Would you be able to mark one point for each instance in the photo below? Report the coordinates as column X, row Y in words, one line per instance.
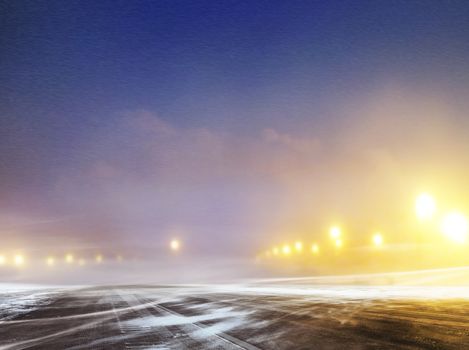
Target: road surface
column 234, row 317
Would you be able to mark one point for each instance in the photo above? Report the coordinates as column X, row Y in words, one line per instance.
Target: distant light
column 298, row 246
column 50, row 261
column 99, row 258
column 69, row 258
column 455, row 226
column 275, row 250
column 81, row 262
column 315, row 248
column 174, row 245
column 338, row 243
column 18, row 259
column 286, row 250
column 3, row 260
column 335, row 232
column 378, row 239
column 425, row 206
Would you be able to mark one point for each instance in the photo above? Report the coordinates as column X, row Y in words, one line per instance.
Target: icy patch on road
column 218, row 328
column 226, row 318
column 14, row 304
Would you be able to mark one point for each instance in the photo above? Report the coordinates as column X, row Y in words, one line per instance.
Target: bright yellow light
column 50, row 261
column 69, row 258
column 99, row 258
column 338, row 243
column 298, row 246
column 18, row 259
column 275, row 250
column 378, row 239
column 3, row 260
column 315, row 248
column 455, row 226
column 335, row 232
column 286, row 250
column 174, row 245
column 425, row 206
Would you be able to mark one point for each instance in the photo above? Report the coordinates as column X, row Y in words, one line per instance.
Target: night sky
column 228, row 124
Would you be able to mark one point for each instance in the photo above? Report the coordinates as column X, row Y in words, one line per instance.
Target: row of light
column 454, row 225
column 336, row 236
column 20, row 260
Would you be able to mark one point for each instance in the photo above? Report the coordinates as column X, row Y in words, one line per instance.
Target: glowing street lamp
column 378, row 239
column 298, row 246
column 286, row 250
column 335, row 232
column 69, row 258
column 455, row 226
column 425, row 206
column 315, row 248
column 3, row 260
column 18, row 260
column 99, row 258
column 50, row 261
column 175, row 245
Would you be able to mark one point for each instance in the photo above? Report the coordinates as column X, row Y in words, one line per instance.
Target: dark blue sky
column 83, row 84
column 84, row 61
